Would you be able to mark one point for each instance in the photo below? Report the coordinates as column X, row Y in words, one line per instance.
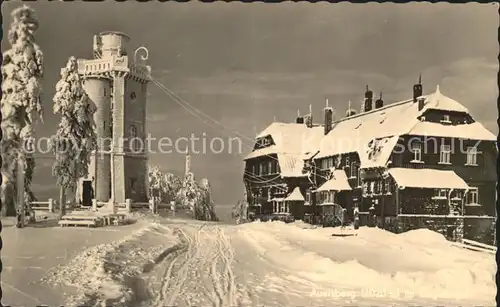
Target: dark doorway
column 87, row 193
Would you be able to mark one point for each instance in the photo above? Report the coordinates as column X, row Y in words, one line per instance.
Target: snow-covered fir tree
column 75, row 138
column 21, row 105
column 205, row 207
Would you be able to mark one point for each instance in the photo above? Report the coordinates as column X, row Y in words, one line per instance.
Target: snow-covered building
column 421, row 162
column 274, row 176
column 117, row 85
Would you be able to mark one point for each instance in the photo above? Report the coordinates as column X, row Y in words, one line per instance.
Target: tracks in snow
column 199, row 272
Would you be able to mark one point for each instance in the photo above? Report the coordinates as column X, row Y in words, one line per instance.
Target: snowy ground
column 187, row 263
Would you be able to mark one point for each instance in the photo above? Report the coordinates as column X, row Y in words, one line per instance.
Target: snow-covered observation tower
column 118, row 86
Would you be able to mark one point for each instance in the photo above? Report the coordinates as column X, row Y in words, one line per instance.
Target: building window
column 261, row 169
column 104, row 92
column 327, row 197
column 441, row 193
column 416, row 148
column 324, row 164
column 359, row 177
column 354, row 170
column 133, row 96
column 446, row 119
column 445, row 154
column 473, row 196
column 387, row 186
column 471, row 156
column 308, row 197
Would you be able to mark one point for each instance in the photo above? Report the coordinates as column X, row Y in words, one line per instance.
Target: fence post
column 128, row 205
column 172, row 207
column 94, row 205
column 51, row 205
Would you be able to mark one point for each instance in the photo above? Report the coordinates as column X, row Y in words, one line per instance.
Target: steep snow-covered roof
column 438, row 101
column 296, row 195
column 291, row 164
column 338, row 182
column 473, row 131
column 427, row 178
column 357, row 133
column 293, row 142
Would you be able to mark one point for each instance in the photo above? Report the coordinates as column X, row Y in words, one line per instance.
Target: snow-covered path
column 198, row 273
column 166, row 262
column 274, row 264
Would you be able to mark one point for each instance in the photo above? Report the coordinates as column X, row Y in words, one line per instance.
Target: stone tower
column 117, row 84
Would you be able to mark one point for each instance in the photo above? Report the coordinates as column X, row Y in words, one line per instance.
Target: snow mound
column 422, row 264
column 106, row 274
column 423, row 235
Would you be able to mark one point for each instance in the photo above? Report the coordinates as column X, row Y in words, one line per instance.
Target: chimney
column 328, row 118
column 421, row 103
column 350, row 111
column 308, row 119
column 417, row 89
column 300, row 119
column 367, row 105
column 379, row 102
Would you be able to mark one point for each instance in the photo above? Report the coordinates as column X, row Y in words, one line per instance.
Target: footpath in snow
column 189, row 263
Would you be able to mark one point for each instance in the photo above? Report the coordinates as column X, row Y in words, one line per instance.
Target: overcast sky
column 243, row 64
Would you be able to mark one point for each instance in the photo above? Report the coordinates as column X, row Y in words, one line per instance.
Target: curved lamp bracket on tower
column 144, row 57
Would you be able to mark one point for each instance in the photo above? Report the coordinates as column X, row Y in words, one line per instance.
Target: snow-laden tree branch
column 21, row 105
column 163, row 186
column 75, row 138
column 205, row 206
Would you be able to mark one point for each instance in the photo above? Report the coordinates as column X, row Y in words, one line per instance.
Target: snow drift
column 107, row 274
column 412, row 266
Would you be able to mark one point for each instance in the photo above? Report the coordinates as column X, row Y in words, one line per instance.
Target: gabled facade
column 275, row 178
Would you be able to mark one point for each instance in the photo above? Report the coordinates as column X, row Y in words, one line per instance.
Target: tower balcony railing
column 99, row 66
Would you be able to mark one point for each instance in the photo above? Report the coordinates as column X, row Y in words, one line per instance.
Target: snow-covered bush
column 205, row 207
column 163, row 186
column 240, row 212
column 75, row 138
column 188, row 193
column 21, row 105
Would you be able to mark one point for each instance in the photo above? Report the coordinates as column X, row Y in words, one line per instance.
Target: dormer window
column 446, row 119
column 471, row 156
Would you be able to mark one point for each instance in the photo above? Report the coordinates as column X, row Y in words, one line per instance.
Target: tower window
column 133, row 131
column 104, row 92
column 133, row 96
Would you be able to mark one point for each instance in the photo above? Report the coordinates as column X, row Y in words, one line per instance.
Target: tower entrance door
column 87, row 193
